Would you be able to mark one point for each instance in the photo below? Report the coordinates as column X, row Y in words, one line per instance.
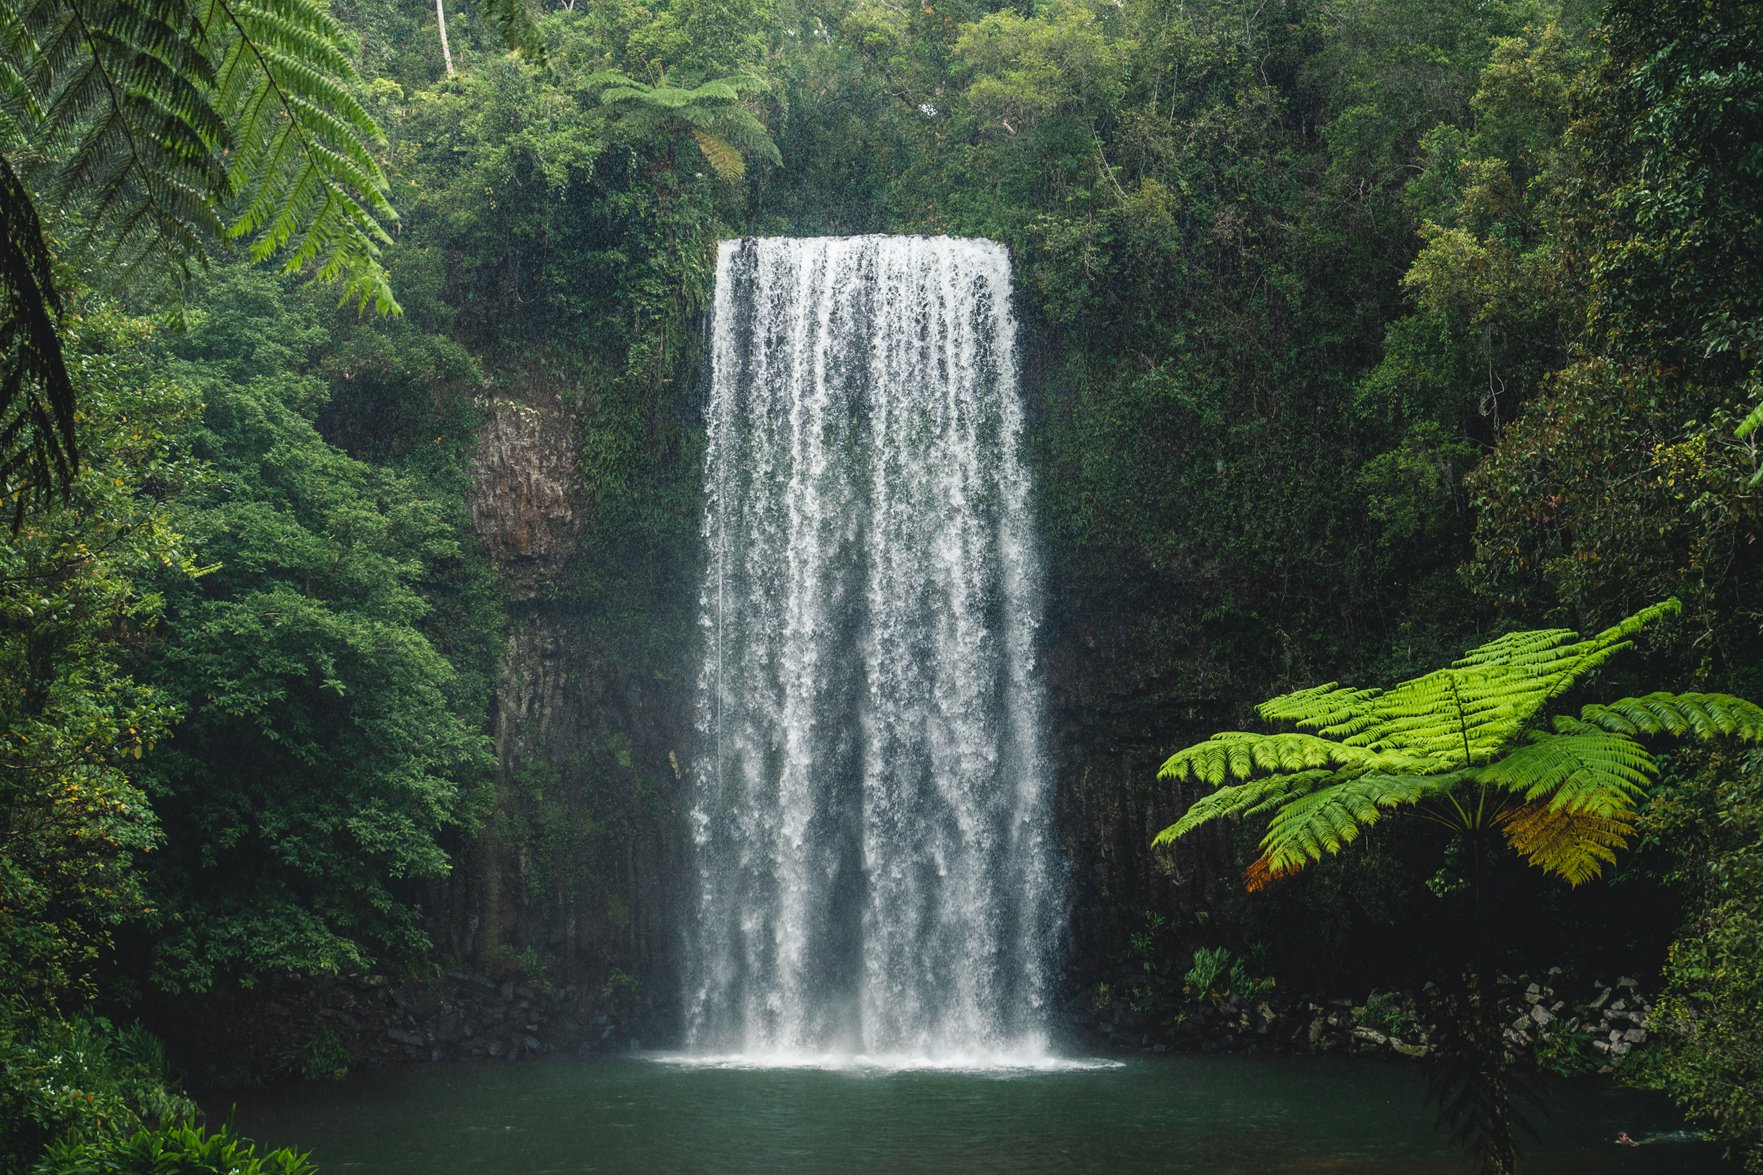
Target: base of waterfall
column 1198, row 1114
column 1023, row 1062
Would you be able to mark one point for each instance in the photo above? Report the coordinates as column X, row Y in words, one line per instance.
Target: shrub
column 76, row 1079
column 183, row 1148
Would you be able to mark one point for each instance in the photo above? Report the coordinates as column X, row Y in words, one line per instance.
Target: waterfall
column 873, row 855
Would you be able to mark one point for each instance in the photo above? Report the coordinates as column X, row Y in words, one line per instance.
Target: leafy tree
column 321, row 754
column 78, row 596
column 1706, row 1053
column 1634, row 318
column 1680, row 281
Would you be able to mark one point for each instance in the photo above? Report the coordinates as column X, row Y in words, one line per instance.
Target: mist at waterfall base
column 874, row 863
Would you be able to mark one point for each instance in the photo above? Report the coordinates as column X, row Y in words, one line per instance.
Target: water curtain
column 873, row 856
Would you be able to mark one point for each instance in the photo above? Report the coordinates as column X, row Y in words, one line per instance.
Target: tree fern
column 1474, row 748
column 712, row 114
column 1466, row 747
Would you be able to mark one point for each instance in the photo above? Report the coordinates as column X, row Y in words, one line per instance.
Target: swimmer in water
column 1622, row 1139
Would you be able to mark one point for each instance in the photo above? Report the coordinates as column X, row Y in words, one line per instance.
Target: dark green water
column 1218, row 1115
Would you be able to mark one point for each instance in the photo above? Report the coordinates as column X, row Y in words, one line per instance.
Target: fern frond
column 1557, row 656
column 1574, row 845
column 723, row 159
column 1591, row 771
column 725, row 132
column 133, row 146
column 20, row 61
column 1328, row 819
column 1242, row 755
column 305, row 180
column 1468, row 738
column 1705, row 716
column 1253, row 798
column 37, row 444
column 1332, row 710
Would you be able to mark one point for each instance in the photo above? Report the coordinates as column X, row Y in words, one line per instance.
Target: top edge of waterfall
column 731, row 243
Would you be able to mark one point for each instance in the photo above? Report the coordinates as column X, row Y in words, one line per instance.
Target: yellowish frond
column 1575, row 845
column 723, row 159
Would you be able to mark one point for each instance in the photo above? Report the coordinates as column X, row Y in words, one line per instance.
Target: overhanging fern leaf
column 37, row 447
column 305, row 180
column 157, row 129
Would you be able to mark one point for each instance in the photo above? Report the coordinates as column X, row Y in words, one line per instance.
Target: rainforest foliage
column 1358, row 334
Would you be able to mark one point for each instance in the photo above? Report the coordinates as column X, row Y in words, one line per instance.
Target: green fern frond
column 1592, row 771
column 306, row 181
column 1705, row 716
column 133, row 147
column 1328, row 819
column 723, row 159
column 725, row 132
column 1254, row 798
column 20, row 58
column 1332, row 710
column 1467, row 745
column 1242, row 755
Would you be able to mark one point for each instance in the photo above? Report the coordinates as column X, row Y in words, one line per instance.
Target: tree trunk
column 446, row 50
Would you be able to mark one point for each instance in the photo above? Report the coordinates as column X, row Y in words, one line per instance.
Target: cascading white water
column 874, row 865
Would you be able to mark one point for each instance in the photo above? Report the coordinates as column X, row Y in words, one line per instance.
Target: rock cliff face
column 572, row 868
column 523, row 503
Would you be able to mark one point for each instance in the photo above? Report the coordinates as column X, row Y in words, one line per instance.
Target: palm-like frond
column 1463, row 714
column 36, row 397
column 1589, row 771
column 304, row 177
column 723, row 159
column 133, row 147
column 1254, row 798
column 1465, row 746
column 157, row 128
column 1329, row 819
column 1244, row 755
